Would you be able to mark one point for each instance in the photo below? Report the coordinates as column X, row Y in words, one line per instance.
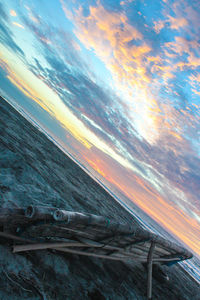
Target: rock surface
column 34, row 171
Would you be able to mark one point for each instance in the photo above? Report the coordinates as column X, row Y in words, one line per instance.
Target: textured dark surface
column 34, row 171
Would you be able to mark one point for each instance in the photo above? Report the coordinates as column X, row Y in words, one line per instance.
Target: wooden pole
column 149, row 269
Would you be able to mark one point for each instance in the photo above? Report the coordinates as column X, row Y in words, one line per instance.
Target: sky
column 116, row 84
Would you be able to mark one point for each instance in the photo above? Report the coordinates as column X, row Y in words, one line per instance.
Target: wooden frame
column 88, row 235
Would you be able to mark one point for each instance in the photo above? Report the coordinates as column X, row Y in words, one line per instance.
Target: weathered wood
column 89, row 235
column 52, row 223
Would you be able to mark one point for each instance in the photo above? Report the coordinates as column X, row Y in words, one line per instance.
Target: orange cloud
column 174, row 23
column 158, row 26
column 128, row 57
column 176, row 135
column 45, row 40
column 195, row 83
column 13, row 13
column 177, row 23
column 181, row 46
column 33, row 17
column 112, row 38
column 96, row 165
column 18, row 25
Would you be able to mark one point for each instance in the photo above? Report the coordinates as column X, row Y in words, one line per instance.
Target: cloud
column 123, row 50
column 6, row 35
column 13, row 13
column 173, row 23
column 3, row 14
column 68, row 73
column 171, row 123
column 22, row 84
column 83, row 94
column 48, row 99
column 143, row 68
column 18, row 25
column 33, row 16
column 159, row 25
column 40, row 32
column 177, row 23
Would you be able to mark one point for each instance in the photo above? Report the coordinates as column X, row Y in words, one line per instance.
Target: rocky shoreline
column 35, row 172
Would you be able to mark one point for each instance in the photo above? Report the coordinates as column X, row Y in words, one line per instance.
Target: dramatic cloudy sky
column 117, row 84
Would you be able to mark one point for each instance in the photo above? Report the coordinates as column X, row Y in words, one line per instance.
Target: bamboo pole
column 39, row 212
column 97, row 255
column 92, row 226
column 166, row 259
column 116, row 257
column 119, row 228
column 63, row 245
column 79, row 218
column 149, row 267
column 42, row 246
column 39, row 246
column 57, row 231
column 92, row 220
